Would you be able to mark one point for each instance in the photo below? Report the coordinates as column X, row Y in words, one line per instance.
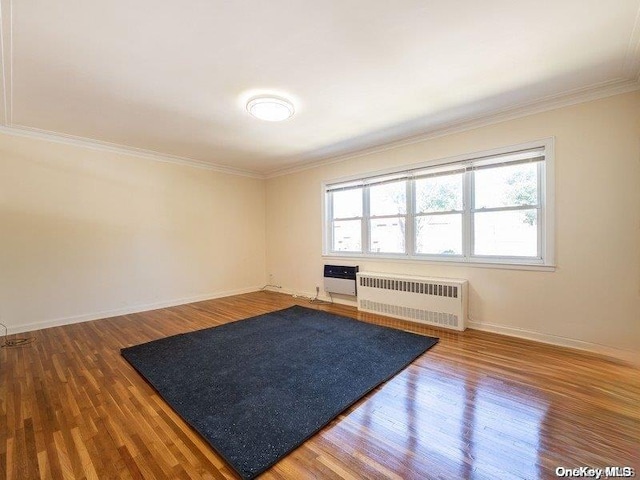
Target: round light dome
column 271, row 109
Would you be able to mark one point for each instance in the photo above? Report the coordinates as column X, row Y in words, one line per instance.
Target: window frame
column 545, row 260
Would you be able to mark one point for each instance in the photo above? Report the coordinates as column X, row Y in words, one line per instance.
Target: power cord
column 317, row 300
column 269, row 285
column 16, row 342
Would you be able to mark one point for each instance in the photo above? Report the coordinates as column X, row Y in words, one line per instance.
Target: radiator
column 441, row 302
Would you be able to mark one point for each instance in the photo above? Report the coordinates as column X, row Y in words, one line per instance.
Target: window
column 347, row 220
column 439, row 211
column 492, row 208
column 388, row 216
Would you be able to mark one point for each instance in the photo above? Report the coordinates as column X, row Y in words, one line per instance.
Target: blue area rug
column 256, row 389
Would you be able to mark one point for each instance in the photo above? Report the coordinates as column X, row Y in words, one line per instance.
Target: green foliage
column 439, row 196
column 523, row 191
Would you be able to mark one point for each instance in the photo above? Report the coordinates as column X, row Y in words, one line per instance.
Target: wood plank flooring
column 477, row 405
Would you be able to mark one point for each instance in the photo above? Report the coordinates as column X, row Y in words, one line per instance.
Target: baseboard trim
column 58, row 322
column 620, row 354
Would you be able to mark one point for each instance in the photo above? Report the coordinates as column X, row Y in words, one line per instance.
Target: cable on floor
column 16, row 342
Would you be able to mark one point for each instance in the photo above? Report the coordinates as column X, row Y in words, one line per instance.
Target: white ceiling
column 173, row 77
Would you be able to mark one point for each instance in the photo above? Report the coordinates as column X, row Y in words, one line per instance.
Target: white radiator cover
column 441, row 302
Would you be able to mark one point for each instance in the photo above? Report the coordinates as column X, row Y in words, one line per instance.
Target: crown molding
column 552, row 102
column 63, row 138
column 6, row 57
column 572, row 97
column 631, row 66
column 3, row 79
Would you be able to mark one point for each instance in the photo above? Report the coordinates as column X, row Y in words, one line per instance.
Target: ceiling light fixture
column 270, row 108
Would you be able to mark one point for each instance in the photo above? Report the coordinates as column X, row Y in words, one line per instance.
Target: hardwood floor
column 477, row 405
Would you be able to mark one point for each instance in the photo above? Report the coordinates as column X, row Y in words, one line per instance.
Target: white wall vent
column 441, row 302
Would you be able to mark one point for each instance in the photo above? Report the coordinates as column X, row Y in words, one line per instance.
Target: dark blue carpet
column 256, row 389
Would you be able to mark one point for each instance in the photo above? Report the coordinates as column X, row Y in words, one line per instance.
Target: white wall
column 86, row 234
column 591, row 301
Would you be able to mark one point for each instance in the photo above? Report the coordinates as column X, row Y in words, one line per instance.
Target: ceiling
column 171, row 79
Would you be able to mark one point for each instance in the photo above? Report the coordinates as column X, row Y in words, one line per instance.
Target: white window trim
column 546, row 191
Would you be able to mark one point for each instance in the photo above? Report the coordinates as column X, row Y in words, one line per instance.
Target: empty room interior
column 290, row 240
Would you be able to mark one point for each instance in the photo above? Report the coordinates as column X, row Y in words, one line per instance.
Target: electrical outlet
column 317, row 290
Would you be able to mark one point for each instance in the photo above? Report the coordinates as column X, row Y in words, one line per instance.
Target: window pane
column 439, row 234
column 506, row 186
column 388, row 198
column 347, row 203
column 347, row 236
column 508, row 234
column 439, row 194
column 387, row 235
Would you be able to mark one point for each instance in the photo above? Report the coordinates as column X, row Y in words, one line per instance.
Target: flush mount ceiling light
column 270, row 108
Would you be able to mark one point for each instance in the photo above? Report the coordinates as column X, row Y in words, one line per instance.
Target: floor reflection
column 437, row 424
column 505, row 438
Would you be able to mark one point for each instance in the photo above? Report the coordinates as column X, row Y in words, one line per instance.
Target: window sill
column 452, row 263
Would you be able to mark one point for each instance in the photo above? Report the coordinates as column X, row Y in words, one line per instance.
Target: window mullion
column 366, row 221
column 541, row 210
column 445, row 212
column 505, row 209
column 467, row 219
column 409, row 223
column 329, row 225
column 382, row 217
